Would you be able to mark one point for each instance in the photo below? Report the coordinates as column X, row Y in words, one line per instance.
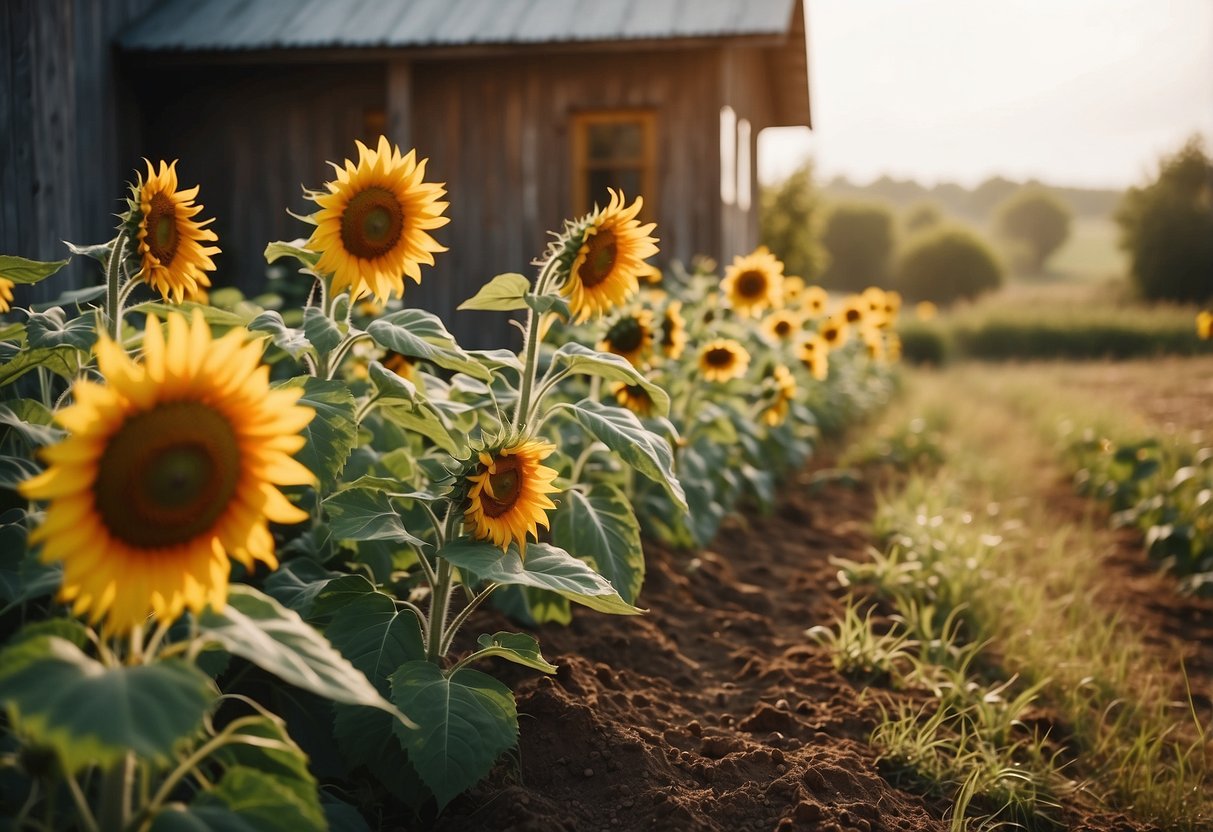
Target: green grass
column 980, row 565
column 1092, row 253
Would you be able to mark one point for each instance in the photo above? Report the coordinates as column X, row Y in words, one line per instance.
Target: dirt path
column 713, row 712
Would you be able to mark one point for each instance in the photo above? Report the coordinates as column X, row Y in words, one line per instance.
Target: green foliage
column 946, row 265
column 788, row 224
column 921, row 216
column 1037, row 222
column 859, row 238
column 1167, row 228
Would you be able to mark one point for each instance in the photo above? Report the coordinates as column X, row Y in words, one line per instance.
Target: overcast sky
column 1074, row 92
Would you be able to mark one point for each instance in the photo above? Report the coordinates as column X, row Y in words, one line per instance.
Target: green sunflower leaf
column 267, row 801
column 363, row 514
column 391, row 385
column 16, row 361
column 467, row 720
column 53, row 328
column 504, row 293
column 331, row 436
column 376, row 636
column 321, row 330
column 98, row 251
column 277, row 250
column 577, row 358
column 178, row 818
column 93, row 714
column 257, row 628
column 21, row 270
column 422, row 335
column 267, row 747
column 213, row 315
column 519, row 648
column 620, row 430
column 601, row 527
column 546, row 567
column 288, row 339
column 549, row 303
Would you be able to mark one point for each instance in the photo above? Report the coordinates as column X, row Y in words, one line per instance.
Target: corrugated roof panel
column 208, row 25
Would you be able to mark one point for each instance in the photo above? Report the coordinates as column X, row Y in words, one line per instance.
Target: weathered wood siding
column 250, row 137
column 62, row 111
column 746, row 87
column 496, row 131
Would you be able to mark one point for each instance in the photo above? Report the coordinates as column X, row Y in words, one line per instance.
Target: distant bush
column 1167, row 228
column 788, row 224
column 924, row 343
column 947, row 264
column 859, row 239
column 1036, row 221
column 921, row 216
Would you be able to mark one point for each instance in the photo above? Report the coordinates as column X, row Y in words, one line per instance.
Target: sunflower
column 781, row 325
column 924, row 310
column 1204, row 323
column 673, row 331
column 754, row 282
column 508, row 494
column 723, row 359
column 833, row 331
column 169, row 468
column 892, row 304
column 876, row 312
column 854, row 311
column 793, row 288
column 893, row 346
column 6, row 294
column 371, row 226
column 873, row 342
column 785, row 390
column 404, row 366
column 170, row 248
column 631, row 336
column 813, row 300
column 610, row 259
column 814, row 354
column 634, row 397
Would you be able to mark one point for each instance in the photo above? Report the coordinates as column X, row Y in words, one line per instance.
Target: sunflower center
column 161, row 221
column 853, row 315
column 503, row 488
column 751, row 284
column 167, row 475
column 719, row 357
column 830, row 333
column 782, row 328
column 599, row 261
column 626, row 336
column 371, row 223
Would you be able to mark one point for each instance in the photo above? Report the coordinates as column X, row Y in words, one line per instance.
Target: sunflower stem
column 113, row 286
column 116, row 794
column 530, row 364
column 438, row 604
column 463, row 615
column 87, row 819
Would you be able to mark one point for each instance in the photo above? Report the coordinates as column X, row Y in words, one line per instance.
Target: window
column 613, row 149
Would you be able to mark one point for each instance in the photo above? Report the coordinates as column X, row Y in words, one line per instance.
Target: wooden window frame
column 581, row 164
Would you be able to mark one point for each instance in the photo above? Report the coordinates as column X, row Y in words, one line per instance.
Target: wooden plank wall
column 746, row 86
column 496, row 131
column 250, row 136
column 61, row 123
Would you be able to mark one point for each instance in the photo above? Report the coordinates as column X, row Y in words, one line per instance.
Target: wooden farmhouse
column 527, row 109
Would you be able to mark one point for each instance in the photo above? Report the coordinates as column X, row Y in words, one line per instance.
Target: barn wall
column 497, row 132
column 746, row 87
column 250, row 136
column 62, row 111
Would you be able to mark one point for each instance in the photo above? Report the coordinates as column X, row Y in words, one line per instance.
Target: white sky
column 1073, row 92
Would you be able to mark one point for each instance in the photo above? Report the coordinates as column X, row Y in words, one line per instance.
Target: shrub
column 920, row 216
column 1167, row 228
column 948, row 264
column 859, row 239
column 1037, row 222
column 790, row 215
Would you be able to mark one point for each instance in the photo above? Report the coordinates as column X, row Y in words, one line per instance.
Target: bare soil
column 714, row 712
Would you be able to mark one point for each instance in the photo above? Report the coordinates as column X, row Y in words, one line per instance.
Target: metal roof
column 230, row 25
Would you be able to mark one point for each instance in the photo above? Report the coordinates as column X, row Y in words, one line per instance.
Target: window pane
column 597, row 182
column 622, row 140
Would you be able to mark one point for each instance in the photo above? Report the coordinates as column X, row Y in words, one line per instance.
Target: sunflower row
column 329, row 497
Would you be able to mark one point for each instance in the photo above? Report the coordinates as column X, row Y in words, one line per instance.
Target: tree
column 920, row 216
column 859, row 239
column 788, row 224
column 1167, row 228
column 1037, row 222
column 947, row 264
